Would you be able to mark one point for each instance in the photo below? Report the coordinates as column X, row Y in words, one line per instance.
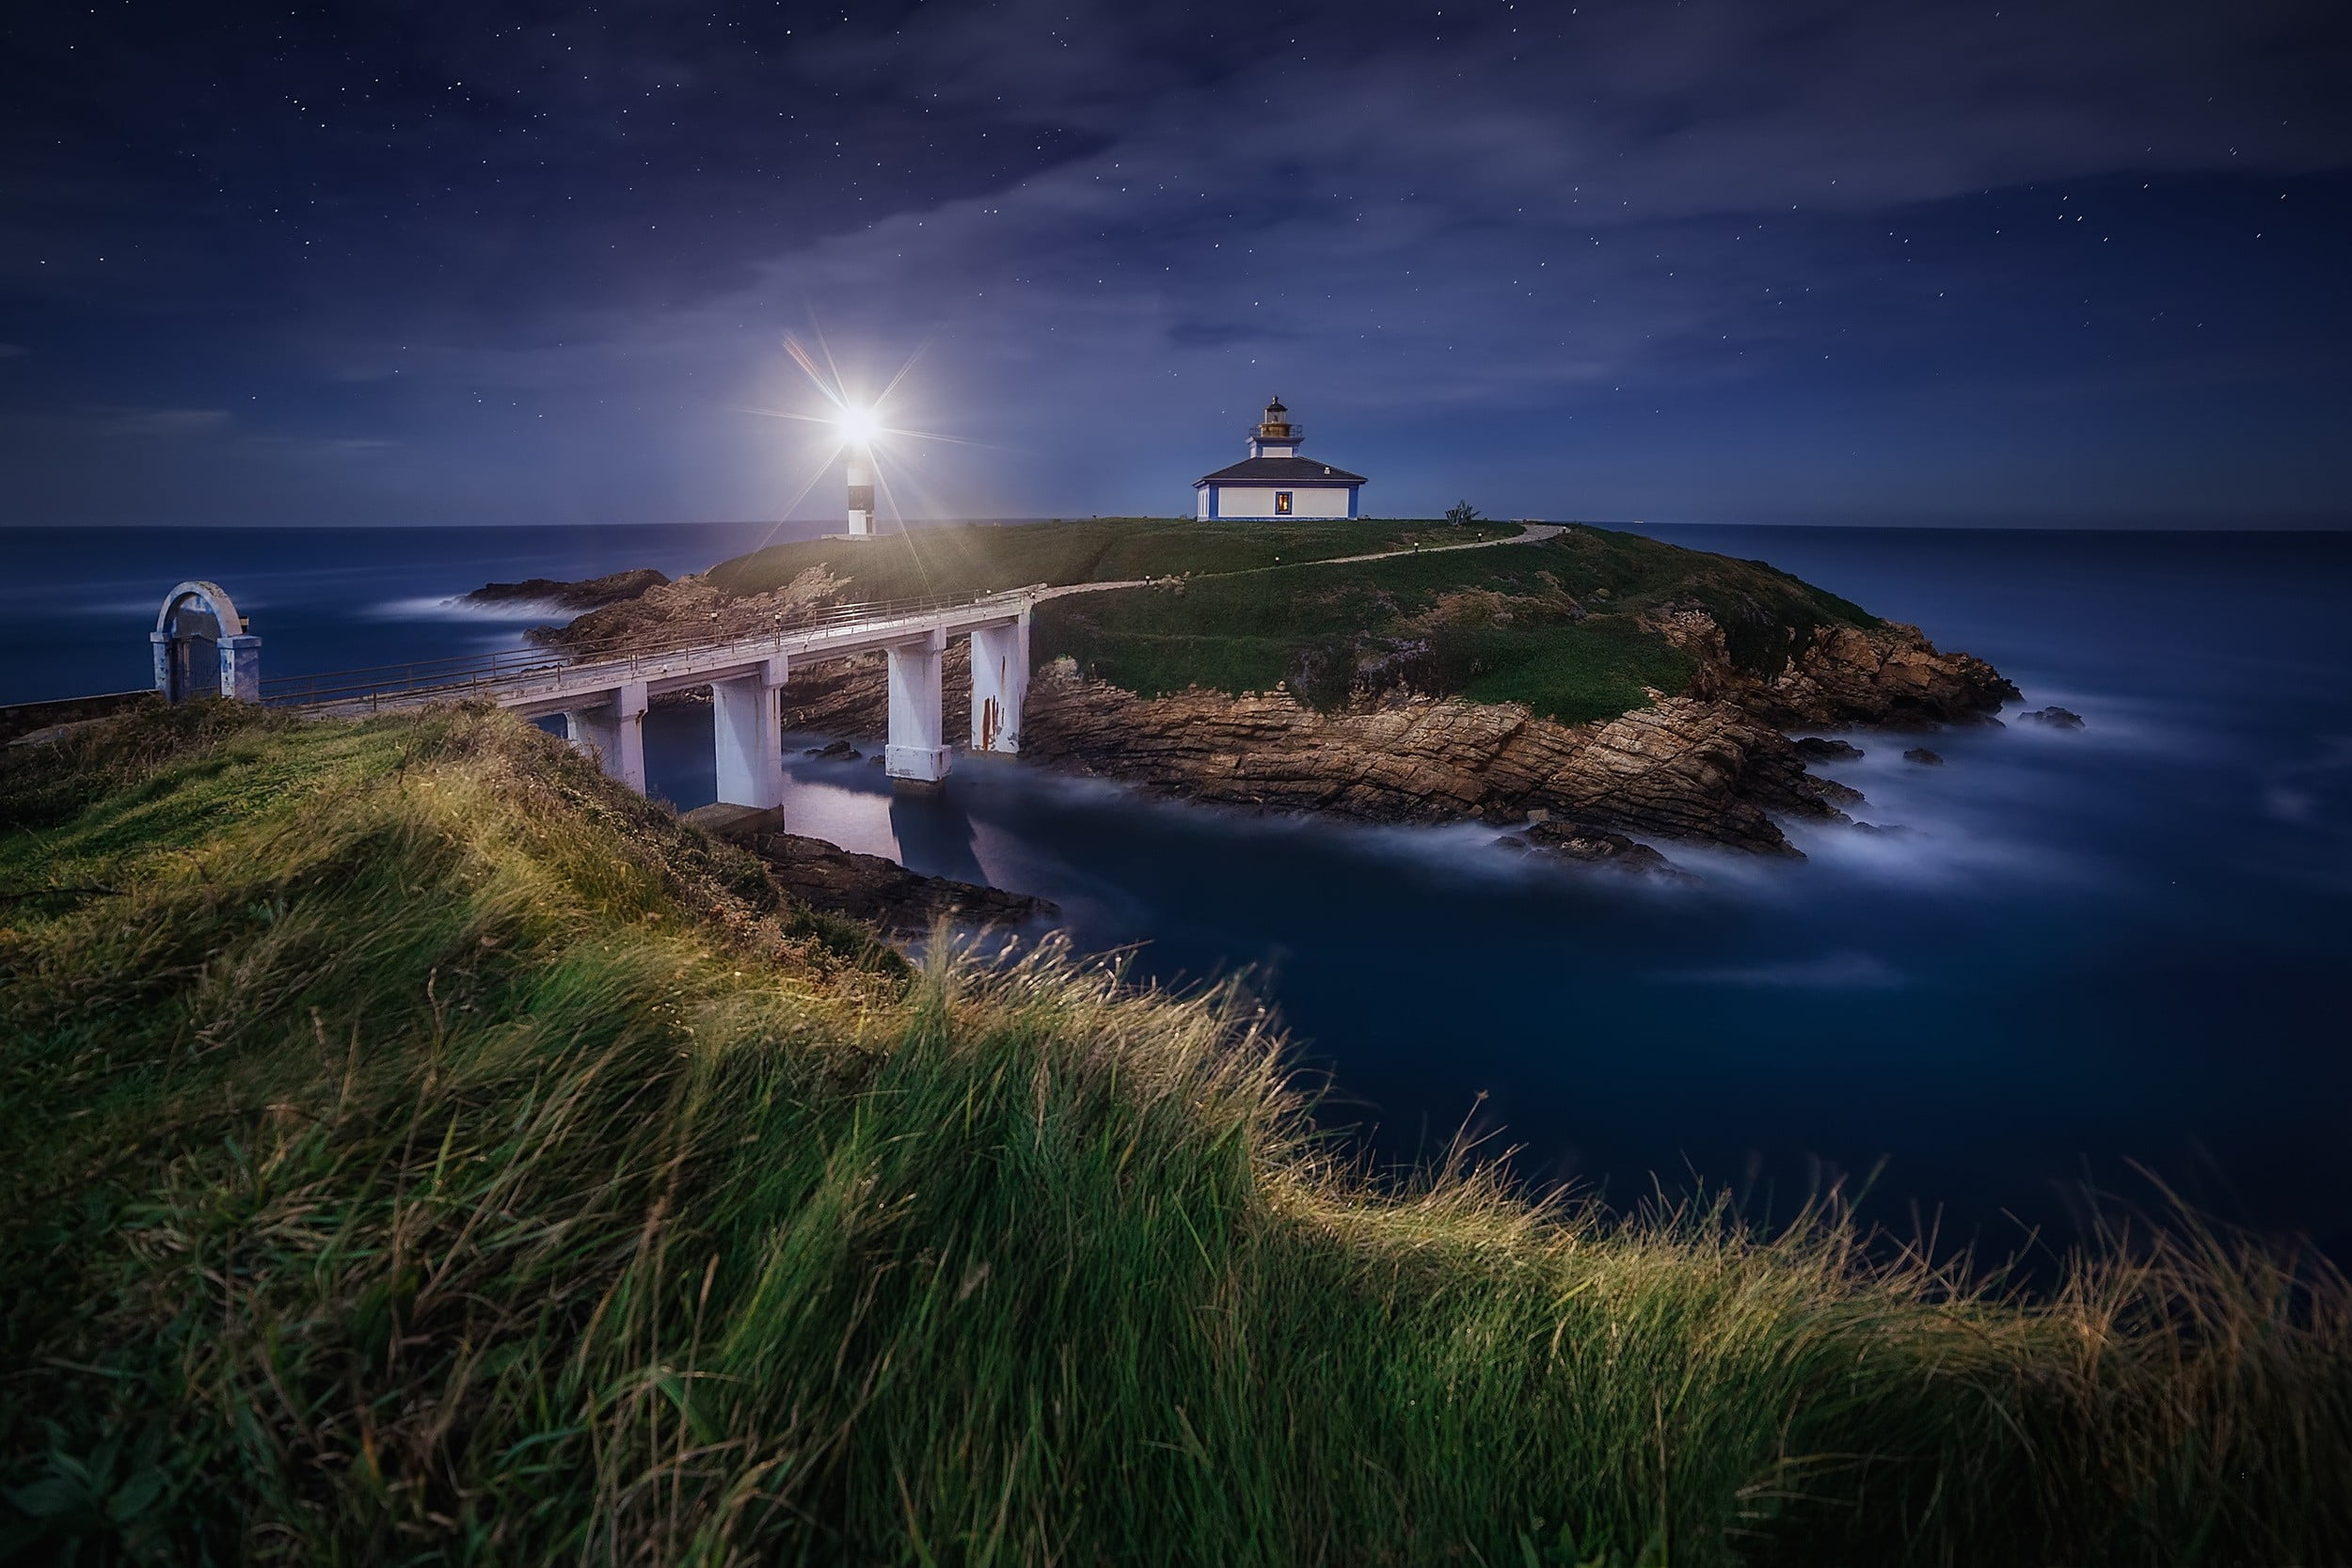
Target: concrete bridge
column 603, row 696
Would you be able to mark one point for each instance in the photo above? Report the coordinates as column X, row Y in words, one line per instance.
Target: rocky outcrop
column 1681, row 768
column 869, row 887
column 1712, row 766
column 1588, row 846
column 1887, row 674
column 583, row 593
column 2054, row 718
column 689, row 608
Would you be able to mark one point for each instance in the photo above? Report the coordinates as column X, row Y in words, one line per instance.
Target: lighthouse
column 1274, row 480
column 860, row 490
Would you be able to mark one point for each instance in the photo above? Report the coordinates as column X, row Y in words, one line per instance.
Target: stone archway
column 202, row 646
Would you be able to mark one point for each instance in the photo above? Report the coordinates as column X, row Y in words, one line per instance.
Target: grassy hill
column 1555, row 624
column 415, row 1148
column 980, row 558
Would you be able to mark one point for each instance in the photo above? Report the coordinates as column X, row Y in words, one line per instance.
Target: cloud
column 162, row 421
column 1411, row 227
column 1835, row 972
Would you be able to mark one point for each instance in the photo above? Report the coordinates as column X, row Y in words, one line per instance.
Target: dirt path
column 1534, row 533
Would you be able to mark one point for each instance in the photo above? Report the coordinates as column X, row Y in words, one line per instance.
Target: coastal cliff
column 410, row 1135
column 1588, row 677
column 1715, row 769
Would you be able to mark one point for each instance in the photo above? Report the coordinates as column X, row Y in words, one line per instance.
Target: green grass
column 976, row 559
column 1554, row 625
column 415, row 1149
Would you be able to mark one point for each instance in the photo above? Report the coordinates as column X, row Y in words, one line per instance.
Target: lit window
column 1281, row 503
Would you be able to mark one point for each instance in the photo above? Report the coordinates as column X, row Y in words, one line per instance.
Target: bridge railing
column 508, row 669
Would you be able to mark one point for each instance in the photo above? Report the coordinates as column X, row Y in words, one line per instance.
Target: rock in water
column 1814, row 748
column 1924, row 757
column 869, row 887
column 1590, row 845
column 585, row 594
column 2055, row 718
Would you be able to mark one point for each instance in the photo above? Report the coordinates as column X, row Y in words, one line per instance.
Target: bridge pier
column 1000, row 684
column 747, row 732
column 199, row 636
column 917, row 752
column 613, row 732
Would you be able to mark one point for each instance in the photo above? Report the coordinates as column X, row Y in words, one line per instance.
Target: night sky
column 2005, row 262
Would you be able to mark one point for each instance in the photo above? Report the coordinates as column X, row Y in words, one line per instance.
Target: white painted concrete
column 747, row 735
column 603, row 703
column 1256, row 503
column 917, row 752
column 613, row 732
column 861, row 492
column 1000, row 685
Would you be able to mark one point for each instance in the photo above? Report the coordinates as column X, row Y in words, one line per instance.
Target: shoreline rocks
column 1708, row 770
column 583, row 594
column 870, row 887
column 1714, row 766
column 1596, row 846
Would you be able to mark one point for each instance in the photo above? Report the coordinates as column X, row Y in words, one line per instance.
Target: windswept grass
column 1557, row 626
column 415, row 1149
column 978, row 559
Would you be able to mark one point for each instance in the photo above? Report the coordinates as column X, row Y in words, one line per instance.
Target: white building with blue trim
column 1274, row 481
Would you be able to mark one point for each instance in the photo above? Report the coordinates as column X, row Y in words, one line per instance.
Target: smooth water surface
column 2086, row 950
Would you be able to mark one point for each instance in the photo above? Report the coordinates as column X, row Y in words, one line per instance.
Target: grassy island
column 414, row 1149
column 1557, row 625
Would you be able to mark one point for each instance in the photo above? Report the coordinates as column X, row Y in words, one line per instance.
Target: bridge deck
column 534, row 681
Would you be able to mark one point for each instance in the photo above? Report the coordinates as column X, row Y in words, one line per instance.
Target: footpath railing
column 511, row 671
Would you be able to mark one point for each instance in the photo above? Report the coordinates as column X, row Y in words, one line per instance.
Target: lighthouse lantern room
column 1274, row 480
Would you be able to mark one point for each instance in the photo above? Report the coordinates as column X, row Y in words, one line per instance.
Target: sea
column 2096, row 971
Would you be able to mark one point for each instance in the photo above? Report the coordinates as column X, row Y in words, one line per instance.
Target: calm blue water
column 2091, row 949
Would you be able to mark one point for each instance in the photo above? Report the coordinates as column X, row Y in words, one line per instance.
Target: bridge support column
column 917, row 752
column 1000, row 684
column 613, row 732
column 747, row 730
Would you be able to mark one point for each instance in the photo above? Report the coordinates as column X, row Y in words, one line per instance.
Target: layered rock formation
column 690, row 607
column 1713, row 767
column 1585, row 845
column 1887, row 674
column 870, row 887
column 582, row 594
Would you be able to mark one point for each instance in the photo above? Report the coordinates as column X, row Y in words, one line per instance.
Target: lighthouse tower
column 1274, row 480
column 1276, row 436
column 860, row 490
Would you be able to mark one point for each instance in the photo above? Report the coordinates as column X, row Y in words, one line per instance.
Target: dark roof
column 1288, row 471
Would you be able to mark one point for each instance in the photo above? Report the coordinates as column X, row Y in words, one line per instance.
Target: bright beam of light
column 856, row 420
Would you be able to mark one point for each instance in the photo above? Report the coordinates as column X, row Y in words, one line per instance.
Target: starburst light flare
column 859, row 421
